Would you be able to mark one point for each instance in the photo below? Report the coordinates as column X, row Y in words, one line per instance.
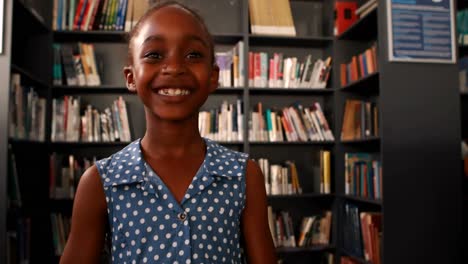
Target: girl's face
column 172, row 69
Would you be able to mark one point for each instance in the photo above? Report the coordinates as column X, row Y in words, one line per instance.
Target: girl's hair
column 161, row 4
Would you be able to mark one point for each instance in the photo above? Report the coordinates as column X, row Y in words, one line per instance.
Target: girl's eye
column 194, row 55
column 153, row 55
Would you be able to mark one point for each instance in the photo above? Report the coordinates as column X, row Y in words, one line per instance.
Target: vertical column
column 4, row 94
column 420, row 131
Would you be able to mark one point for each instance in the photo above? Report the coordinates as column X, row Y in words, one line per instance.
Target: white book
column 275, row 179
column 229, row 127
column 366, row 6
column 42, row 106
column 328, row 132
column 297, row 124
column 241, row 63
column 240, row 121
column 313, row 83
column 314, row 118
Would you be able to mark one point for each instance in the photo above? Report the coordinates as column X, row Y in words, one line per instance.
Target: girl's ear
column 214, row 80
column 129, row 79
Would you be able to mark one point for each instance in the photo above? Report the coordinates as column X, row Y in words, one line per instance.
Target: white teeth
column 173, row 92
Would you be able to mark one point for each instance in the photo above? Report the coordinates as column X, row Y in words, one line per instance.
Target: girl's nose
column 174, row 66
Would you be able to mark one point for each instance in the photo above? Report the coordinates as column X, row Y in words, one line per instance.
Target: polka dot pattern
column 148, row 224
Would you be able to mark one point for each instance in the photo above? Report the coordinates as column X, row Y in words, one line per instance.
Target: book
column 366, row 8
column 271, row 18
column 136, row 11
column 360, row 120
column 14, row 191
column 69, row 125
column 344, row 16
column 277, row 71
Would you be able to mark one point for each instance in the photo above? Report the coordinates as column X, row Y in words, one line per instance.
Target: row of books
column 462, row 27
column 60, row 230
column 110, row 125
column 18, row 241
column 360, row 66
column 271, row 18
column 27, row 111
column 284, row 179
column 363, row 233
column 371, row 229
column 65, row 172
column 75, row 64
column 231, row 66
column 84, row 15
column 292, row 124
column 280, row 179
column 363, row 175
column 278, row 71
column 225, row 123
column 360, row 120
column 313, row 231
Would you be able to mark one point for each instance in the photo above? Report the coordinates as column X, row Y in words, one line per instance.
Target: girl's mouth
column 173, row 92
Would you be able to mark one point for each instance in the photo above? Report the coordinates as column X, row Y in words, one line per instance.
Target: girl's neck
column 171, row 138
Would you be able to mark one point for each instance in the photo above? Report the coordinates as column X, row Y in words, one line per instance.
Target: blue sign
column 421, row 31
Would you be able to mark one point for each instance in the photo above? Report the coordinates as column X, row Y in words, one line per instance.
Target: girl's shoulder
column 117, row 168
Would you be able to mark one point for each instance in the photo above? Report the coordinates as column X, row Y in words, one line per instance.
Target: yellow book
column 271, row 17
column 326, row 172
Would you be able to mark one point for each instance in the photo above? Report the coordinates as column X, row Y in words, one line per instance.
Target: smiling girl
column 171, row 196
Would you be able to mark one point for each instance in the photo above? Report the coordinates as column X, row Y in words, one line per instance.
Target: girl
column 171, row 196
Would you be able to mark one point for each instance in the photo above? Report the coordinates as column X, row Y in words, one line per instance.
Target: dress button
column 182, row 216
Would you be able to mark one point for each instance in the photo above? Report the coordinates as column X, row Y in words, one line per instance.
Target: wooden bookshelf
column 30, row 16
column 101, row 89
column 368, row 84
column 362, row 140
column 28, row 77
column 290, row 250
column 122, row 36
column 318, row 143
column 299, row 41
column 362, row 200
column 286, row 91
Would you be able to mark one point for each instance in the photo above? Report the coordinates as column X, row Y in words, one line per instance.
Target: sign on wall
column 421, row 31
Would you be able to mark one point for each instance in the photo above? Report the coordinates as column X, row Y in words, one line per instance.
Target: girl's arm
column 86, row 239
column 256, row 232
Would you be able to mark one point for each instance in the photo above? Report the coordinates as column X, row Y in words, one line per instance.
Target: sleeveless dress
column 148, row 225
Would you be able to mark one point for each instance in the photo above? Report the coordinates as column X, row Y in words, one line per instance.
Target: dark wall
column 420, row 110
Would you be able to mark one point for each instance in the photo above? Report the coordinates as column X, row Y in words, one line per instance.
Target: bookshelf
column 414, row 148
column 463, row 52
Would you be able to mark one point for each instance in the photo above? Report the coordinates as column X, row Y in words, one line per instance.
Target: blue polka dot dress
column 148, row 225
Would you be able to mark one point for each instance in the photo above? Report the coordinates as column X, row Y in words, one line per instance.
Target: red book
column 79, row 12
column 82, row 21
column 361, row 65
column 343, row 74
column 251, row 68
column 354, row 69
column 344, row 16
column 257, row 68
